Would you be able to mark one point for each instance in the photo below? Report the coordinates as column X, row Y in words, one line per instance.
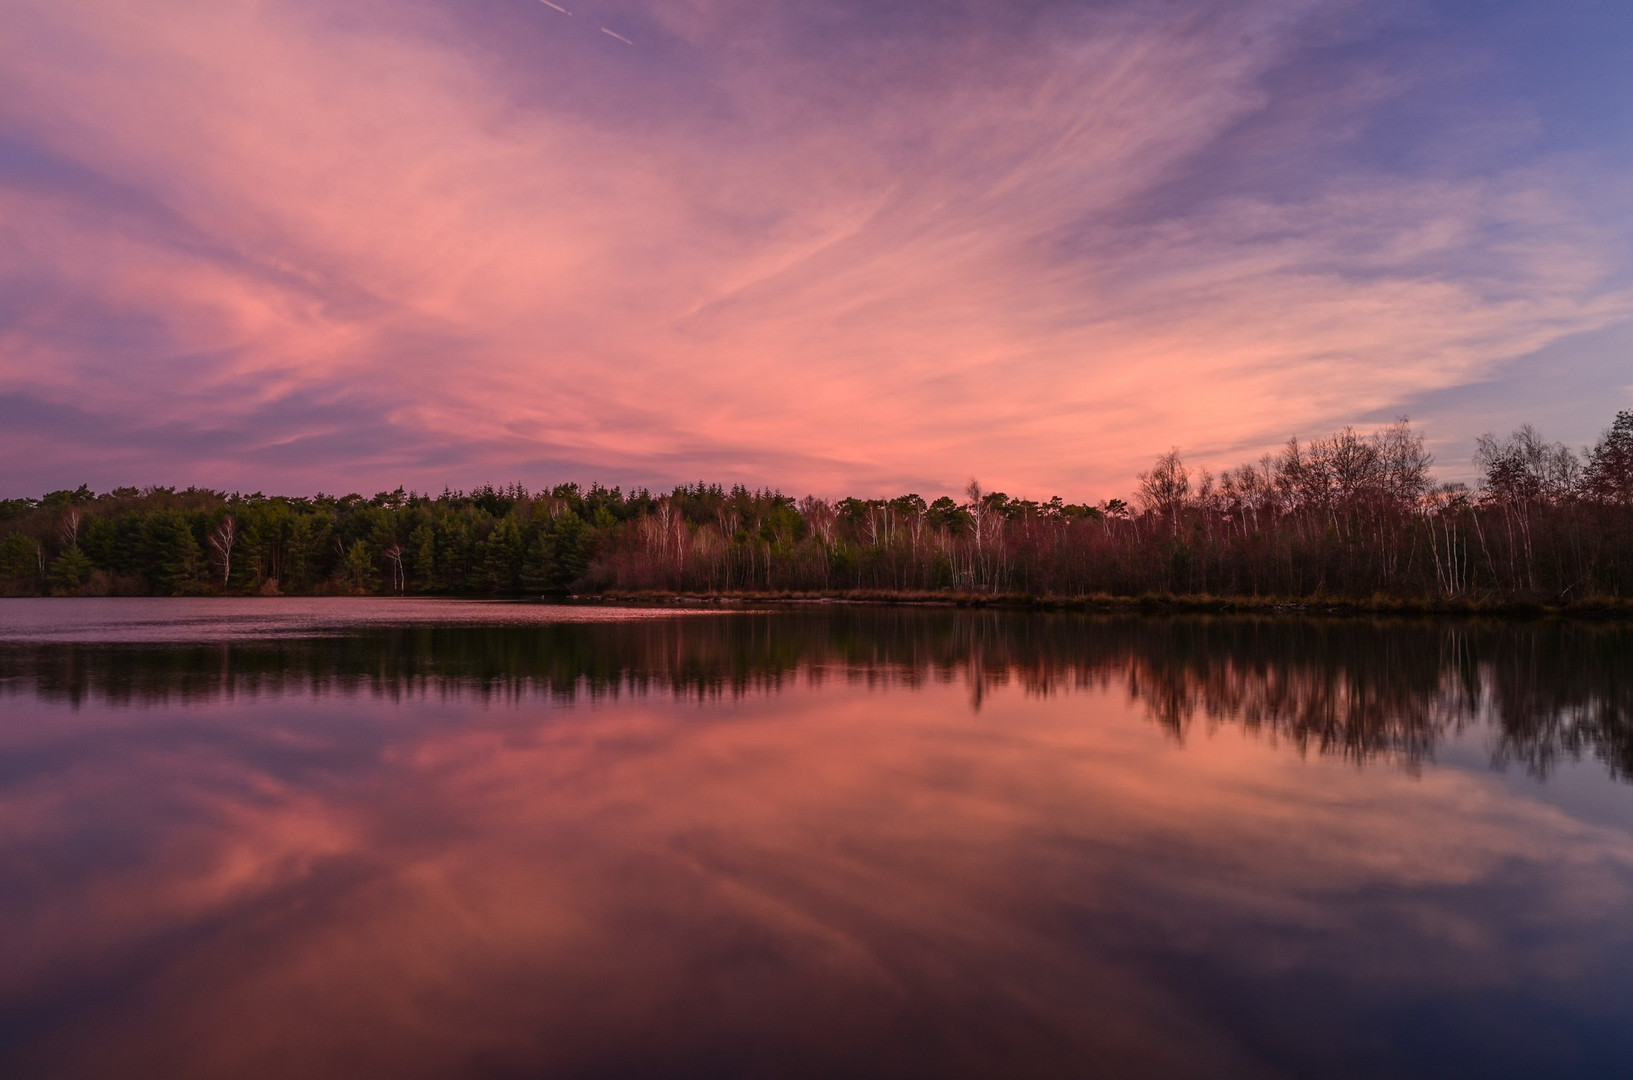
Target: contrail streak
column 616, row 34
column 558, row 7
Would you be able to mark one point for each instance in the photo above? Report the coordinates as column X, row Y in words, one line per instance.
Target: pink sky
column 843, row 248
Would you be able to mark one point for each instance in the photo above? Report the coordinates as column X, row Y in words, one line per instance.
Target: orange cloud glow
column 281, row 245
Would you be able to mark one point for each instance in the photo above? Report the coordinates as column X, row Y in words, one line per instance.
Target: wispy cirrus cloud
column 281, row 245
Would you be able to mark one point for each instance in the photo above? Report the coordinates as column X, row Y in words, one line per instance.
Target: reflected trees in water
column 1362, row 689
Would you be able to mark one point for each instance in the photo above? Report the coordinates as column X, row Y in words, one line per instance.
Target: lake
column 375, row 838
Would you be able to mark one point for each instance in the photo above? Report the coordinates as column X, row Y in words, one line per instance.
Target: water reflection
column 878, row 843
column 1358, row 689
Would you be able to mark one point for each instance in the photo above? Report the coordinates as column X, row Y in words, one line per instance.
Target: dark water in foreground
column 372, row 839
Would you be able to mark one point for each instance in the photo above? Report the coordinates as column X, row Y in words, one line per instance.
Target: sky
column 834, row 247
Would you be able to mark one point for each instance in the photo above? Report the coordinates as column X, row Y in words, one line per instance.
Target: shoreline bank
column 1162, row 603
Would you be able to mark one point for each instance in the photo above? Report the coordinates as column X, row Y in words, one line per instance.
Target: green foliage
column 502, row 556
column 70, row 572
column 171, row 557
column 947, row 514
column 57, row 500
column 12, row 509
column 306, row 551
column 361, row 575
column 19, row 565
column 559, row 555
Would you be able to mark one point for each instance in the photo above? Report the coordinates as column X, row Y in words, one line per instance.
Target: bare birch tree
column 222, row 540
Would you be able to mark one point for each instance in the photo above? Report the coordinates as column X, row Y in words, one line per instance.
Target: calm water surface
column 432, row 839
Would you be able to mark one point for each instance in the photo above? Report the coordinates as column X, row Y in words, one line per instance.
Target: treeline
column 1350, row 515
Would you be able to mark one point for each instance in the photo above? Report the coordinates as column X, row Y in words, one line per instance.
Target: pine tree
column 19, row 565
column 361, row 573
column 172, row 559
column 1609, row 476
column 502, row 557
column 70, row 571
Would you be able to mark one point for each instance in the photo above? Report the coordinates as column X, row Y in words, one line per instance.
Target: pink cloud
column 736, row 254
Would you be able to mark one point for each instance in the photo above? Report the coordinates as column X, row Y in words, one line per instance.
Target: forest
column 1352, row 515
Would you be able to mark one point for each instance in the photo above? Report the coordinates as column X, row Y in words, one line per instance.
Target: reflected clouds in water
column 789, row 845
